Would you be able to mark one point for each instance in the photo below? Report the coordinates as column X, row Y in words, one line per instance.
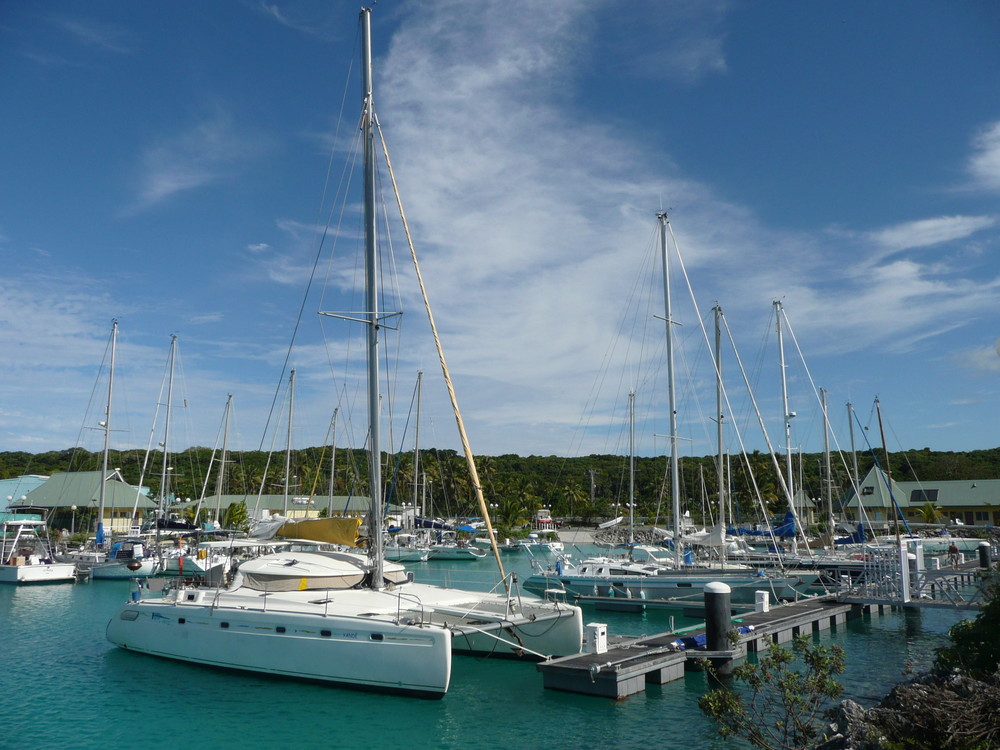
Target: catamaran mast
column 675, row 485
column 371, row 306
column 106, row 424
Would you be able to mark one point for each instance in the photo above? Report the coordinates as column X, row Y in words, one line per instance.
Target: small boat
column 25, row 555
column 455, row 551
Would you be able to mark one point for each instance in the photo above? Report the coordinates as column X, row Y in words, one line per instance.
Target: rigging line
column 589, row 410
column 715, row 367
column 885, row 481
column 399, row 453
column 777, row 469
column 836, row 442
column 319, row 251
column 211, row 461
column 444, row 366
column 90, row 402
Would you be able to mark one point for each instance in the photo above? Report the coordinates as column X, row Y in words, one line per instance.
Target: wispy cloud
column 208, row 152
column 319, row 27
column 927, row 232
column 697, row 42
column 99, row 35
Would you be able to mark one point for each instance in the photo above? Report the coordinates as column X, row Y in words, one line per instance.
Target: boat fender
column 559, row 567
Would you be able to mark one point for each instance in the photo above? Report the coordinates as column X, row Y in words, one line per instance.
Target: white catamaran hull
column 351, row 651
column 385, row 641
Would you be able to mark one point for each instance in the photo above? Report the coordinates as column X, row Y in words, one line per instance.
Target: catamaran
column 347, row 618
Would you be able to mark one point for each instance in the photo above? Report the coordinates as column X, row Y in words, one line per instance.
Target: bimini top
column 303, row 571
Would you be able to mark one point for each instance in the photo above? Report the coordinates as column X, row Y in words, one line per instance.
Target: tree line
column 583, row 487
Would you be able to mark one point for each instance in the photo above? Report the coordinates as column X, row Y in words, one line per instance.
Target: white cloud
column 531, row 223
column 984, row 164
column 984, row 360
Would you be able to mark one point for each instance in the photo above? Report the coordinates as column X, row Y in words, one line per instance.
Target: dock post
column 984, row 555
column 718, row 621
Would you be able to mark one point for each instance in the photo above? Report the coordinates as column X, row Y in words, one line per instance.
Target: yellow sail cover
column 332, row 530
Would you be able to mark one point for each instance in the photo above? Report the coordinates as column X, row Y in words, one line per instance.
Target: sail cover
column 333, row 530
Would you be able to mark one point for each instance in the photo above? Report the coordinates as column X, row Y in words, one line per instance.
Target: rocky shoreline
column 946, row 711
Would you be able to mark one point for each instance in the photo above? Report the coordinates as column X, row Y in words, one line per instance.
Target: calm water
column 62, row 685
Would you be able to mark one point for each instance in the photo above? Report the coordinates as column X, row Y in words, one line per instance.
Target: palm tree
column 929, row 512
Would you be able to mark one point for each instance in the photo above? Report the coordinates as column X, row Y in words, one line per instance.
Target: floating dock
column 627, row 666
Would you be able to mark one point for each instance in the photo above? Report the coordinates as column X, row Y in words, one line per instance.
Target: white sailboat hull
column 670, row 586
column 449, row 552
column 406, row 554
column 119, row 569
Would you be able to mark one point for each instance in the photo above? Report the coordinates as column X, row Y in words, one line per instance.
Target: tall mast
column 416, row 450
column 719, row 430
column 288, row 438
column 106, row 424
column 854, row 452
column 828, row 484
column 888, row 471
column 854, row 458
column 631, row 469
column 221, row 480
column 675, row 485
column 788, row 415
column 165, row 472
column 371, row 306
column 333, row 460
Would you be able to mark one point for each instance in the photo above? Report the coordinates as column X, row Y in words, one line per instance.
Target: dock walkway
column 628, row 665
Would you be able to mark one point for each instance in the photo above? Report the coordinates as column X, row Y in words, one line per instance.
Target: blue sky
column 164, row 165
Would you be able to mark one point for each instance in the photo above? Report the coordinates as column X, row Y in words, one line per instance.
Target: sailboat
column 126, row 558
column 347, row 618
column 645, row 573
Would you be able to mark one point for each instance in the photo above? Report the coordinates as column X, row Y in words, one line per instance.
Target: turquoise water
column 62, row 685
